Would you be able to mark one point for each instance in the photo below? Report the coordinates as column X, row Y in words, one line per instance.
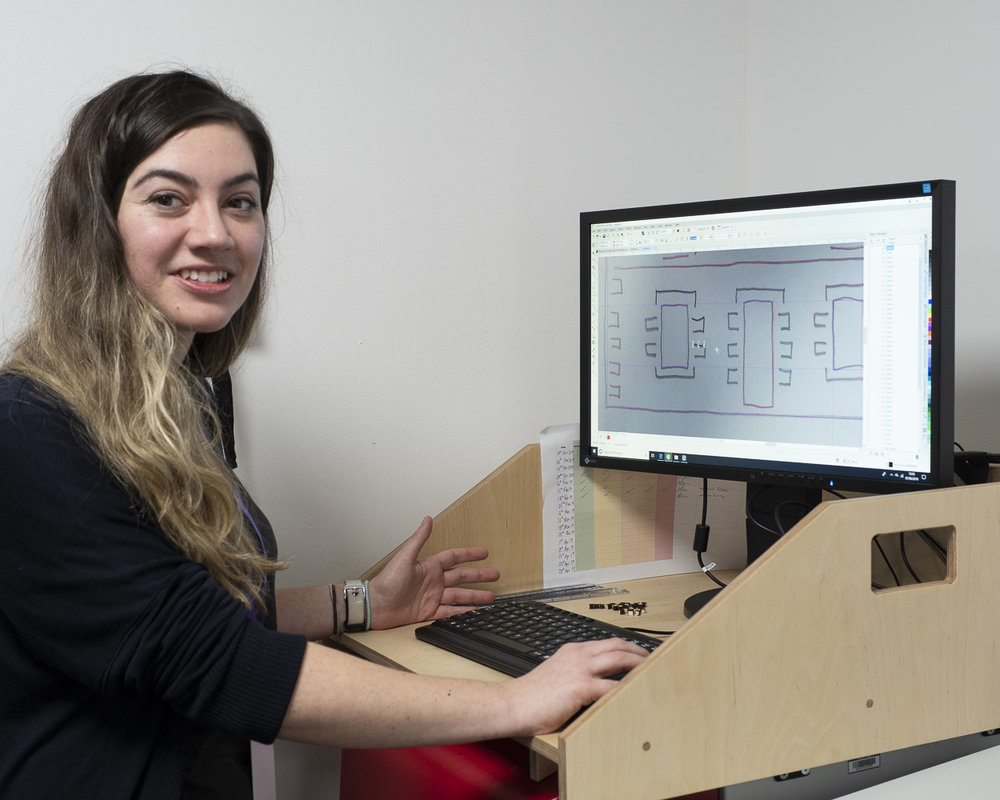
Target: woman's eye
column 246, row 204
column 165, row 200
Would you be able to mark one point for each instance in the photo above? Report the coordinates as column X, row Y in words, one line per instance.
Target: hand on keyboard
column 523, row 638
column 576, row 676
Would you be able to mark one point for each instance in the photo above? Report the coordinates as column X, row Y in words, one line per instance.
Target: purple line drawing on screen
column 774, row 333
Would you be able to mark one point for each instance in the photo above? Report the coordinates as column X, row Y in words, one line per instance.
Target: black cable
column 885, row 557
column 704, row 501
column 906, row 559
column 780, row 506
column 779, row 529
column 701, row 534
column 750, row 516
column 701, row 564
column 934, row 545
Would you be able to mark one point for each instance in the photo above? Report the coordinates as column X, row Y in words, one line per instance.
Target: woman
column 142, row 642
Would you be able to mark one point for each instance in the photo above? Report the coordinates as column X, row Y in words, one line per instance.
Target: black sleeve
column 94, row 590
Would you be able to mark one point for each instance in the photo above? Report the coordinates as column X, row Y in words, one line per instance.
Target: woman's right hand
column 575, row 676
column 343, row 701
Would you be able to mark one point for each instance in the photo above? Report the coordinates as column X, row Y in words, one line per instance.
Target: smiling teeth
column 204, row 276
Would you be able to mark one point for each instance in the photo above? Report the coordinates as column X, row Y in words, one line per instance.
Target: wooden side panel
column 798, row 663
column 503, row 513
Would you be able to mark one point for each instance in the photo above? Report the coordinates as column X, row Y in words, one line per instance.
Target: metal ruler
column 559, row 593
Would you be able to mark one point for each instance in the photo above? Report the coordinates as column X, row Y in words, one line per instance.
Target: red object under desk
column 496, row 770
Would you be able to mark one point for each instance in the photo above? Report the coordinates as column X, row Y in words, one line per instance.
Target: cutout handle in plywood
column 906, row 559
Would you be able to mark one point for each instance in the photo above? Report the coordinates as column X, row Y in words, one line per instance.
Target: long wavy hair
column 107, row 353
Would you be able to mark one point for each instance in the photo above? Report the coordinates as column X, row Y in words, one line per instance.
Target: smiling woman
column 143, row 642
column 160, row 174
column 192, row 227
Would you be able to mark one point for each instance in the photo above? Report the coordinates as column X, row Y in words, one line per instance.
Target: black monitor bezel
column 942, row 193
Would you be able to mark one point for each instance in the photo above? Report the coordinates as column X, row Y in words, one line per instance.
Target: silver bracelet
column 357, row 605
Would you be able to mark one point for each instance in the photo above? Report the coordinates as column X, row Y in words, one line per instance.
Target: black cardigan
column 110, row 641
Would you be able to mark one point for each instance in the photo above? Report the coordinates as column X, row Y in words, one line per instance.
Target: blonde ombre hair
column 107, row 354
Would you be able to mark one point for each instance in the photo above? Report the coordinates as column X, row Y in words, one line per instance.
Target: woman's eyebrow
column 169, row 174
column 236, row 180
column 187, row 180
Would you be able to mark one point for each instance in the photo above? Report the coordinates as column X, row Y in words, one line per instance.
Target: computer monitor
column 797, row 342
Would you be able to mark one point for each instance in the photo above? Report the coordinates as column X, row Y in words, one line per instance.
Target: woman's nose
column 209, row 228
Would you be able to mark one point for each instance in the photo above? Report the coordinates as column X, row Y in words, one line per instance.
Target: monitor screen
column 800, row 339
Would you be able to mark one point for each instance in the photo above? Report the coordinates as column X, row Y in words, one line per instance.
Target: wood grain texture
column 799, row 663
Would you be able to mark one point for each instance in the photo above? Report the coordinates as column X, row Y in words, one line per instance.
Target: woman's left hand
column 412, row 589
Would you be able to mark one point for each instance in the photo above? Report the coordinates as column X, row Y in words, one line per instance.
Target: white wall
column 433, row 159
column 856, row 91
column 425, row 323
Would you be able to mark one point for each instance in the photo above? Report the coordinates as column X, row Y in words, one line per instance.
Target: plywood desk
column 797, row 664
column 665, row 611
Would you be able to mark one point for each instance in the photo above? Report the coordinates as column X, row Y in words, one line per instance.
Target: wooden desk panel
column 797, row 664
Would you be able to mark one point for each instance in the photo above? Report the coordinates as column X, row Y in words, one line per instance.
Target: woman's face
column 192, row 228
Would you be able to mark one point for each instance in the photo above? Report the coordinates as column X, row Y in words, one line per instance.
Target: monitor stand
column 772, row 509
column 697, row 602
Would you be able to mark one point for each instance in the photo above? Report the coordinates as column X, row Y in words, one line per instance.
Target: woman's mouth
column 208, row 276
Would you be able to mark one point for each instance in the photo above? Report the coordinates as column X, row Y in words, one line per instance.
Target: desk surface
column 664, row 597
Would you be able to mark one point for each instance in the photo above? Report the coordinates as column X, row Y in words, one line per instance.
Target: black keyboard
column 515, row 636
